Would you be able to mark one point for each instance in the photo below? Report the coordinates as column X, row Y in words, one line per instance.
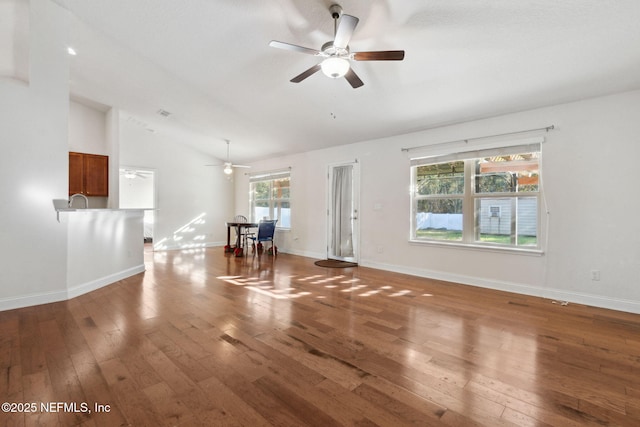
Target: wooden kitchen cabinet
column 76, row 173
column 88, row 174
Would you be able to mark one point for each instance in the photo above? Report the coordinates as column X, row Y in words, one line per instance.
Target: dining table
column 238, row 226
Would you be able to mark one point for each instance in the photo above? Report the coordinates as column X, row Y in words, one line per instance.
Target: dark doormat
column 334, row 263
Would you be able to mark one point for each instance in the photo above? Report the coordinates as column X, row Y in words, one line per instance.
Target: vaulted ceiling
column 209, row 64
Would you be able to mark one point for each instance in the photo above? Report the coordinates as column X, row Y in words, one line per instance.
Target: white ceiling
column 209, row 63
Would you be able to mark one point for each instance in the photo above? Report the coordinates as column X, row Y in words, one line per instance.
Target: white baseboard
column 629, row 306
column 63, row 295
column 179, row 248
column 33, row 299
column 103, row 281
column 303, row 253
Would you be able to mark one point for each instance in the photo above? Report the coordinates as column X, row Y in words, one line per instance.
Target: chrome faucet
column 86, row 200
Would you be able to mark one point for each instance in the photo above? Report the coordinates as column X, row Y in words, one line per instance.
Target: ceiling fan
column 228, row 166
column 336, row 54
column 131, row 174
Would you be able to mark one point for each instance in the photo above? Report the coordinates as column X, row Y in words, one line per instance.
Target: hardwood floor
column 203, row 338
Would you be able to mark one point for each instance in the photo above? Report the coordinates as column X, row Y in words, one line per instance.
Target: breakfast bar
column 103, row 246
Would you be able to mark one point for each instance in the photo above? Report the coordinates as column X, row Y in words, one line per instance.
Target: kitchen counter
column 61, row 206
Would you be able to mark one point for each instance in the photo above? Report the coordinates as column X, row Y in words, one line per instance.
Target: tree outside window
column 488, row 197
column 270, row 198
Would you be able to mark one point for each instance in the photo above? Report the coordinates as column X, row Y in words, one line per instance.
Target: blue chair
column 266, row 230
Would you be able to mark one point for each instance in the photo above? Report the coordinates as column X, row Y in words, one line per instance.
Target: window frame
column 471, row 209
column 272, row 201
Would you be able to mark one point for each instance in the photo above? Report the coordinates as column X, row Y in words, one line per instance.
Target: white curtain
column 342, row 204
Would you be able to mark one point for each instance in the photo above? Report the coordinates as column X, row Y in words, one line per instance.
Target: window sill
column 482, row 248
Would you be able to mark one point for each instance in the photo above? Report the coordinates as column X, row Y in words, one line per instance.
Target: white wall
column 186, row 188
column 14, row 39
column 189, row 193
column 33, row 165
column 589, row 172
column 42, row 259
column 87, row 130
column 138, row 193
column 87, row 134
column 589, row 167
column 104, row 246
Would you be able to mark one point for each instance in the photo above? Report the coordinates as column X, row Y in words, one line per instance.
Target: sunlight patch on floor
column 354, row 288
column 400, row 293
column 310, row 277
column 264, row 286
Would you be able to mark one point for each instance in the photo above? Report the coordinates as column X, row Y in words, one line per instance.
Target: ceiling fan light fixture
column 335, row 67
column 227, row 169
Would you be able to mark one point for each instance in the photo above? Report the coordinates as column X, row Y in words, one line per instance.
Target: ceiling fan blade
column 293, row 47
column 240, row 166
column 382, row 55
column 345, row 30
column 353, row 79
column 300, row 77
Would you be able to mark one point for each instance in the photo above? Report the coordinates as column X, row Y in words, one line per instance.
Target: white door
column 138, row 191
column 343, row 224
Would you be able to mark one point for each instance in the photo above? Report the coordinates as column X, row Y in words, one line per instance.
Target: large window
column 486, row 197
column 270, row 197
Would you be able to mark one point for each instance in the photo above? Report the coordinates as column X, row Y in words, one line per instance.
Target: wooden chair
column 241, row 231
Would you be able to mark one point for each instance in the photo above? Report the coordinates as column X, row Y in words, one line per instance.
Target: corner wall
column 34, row 165
column 193, row 200
column 589, row 173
